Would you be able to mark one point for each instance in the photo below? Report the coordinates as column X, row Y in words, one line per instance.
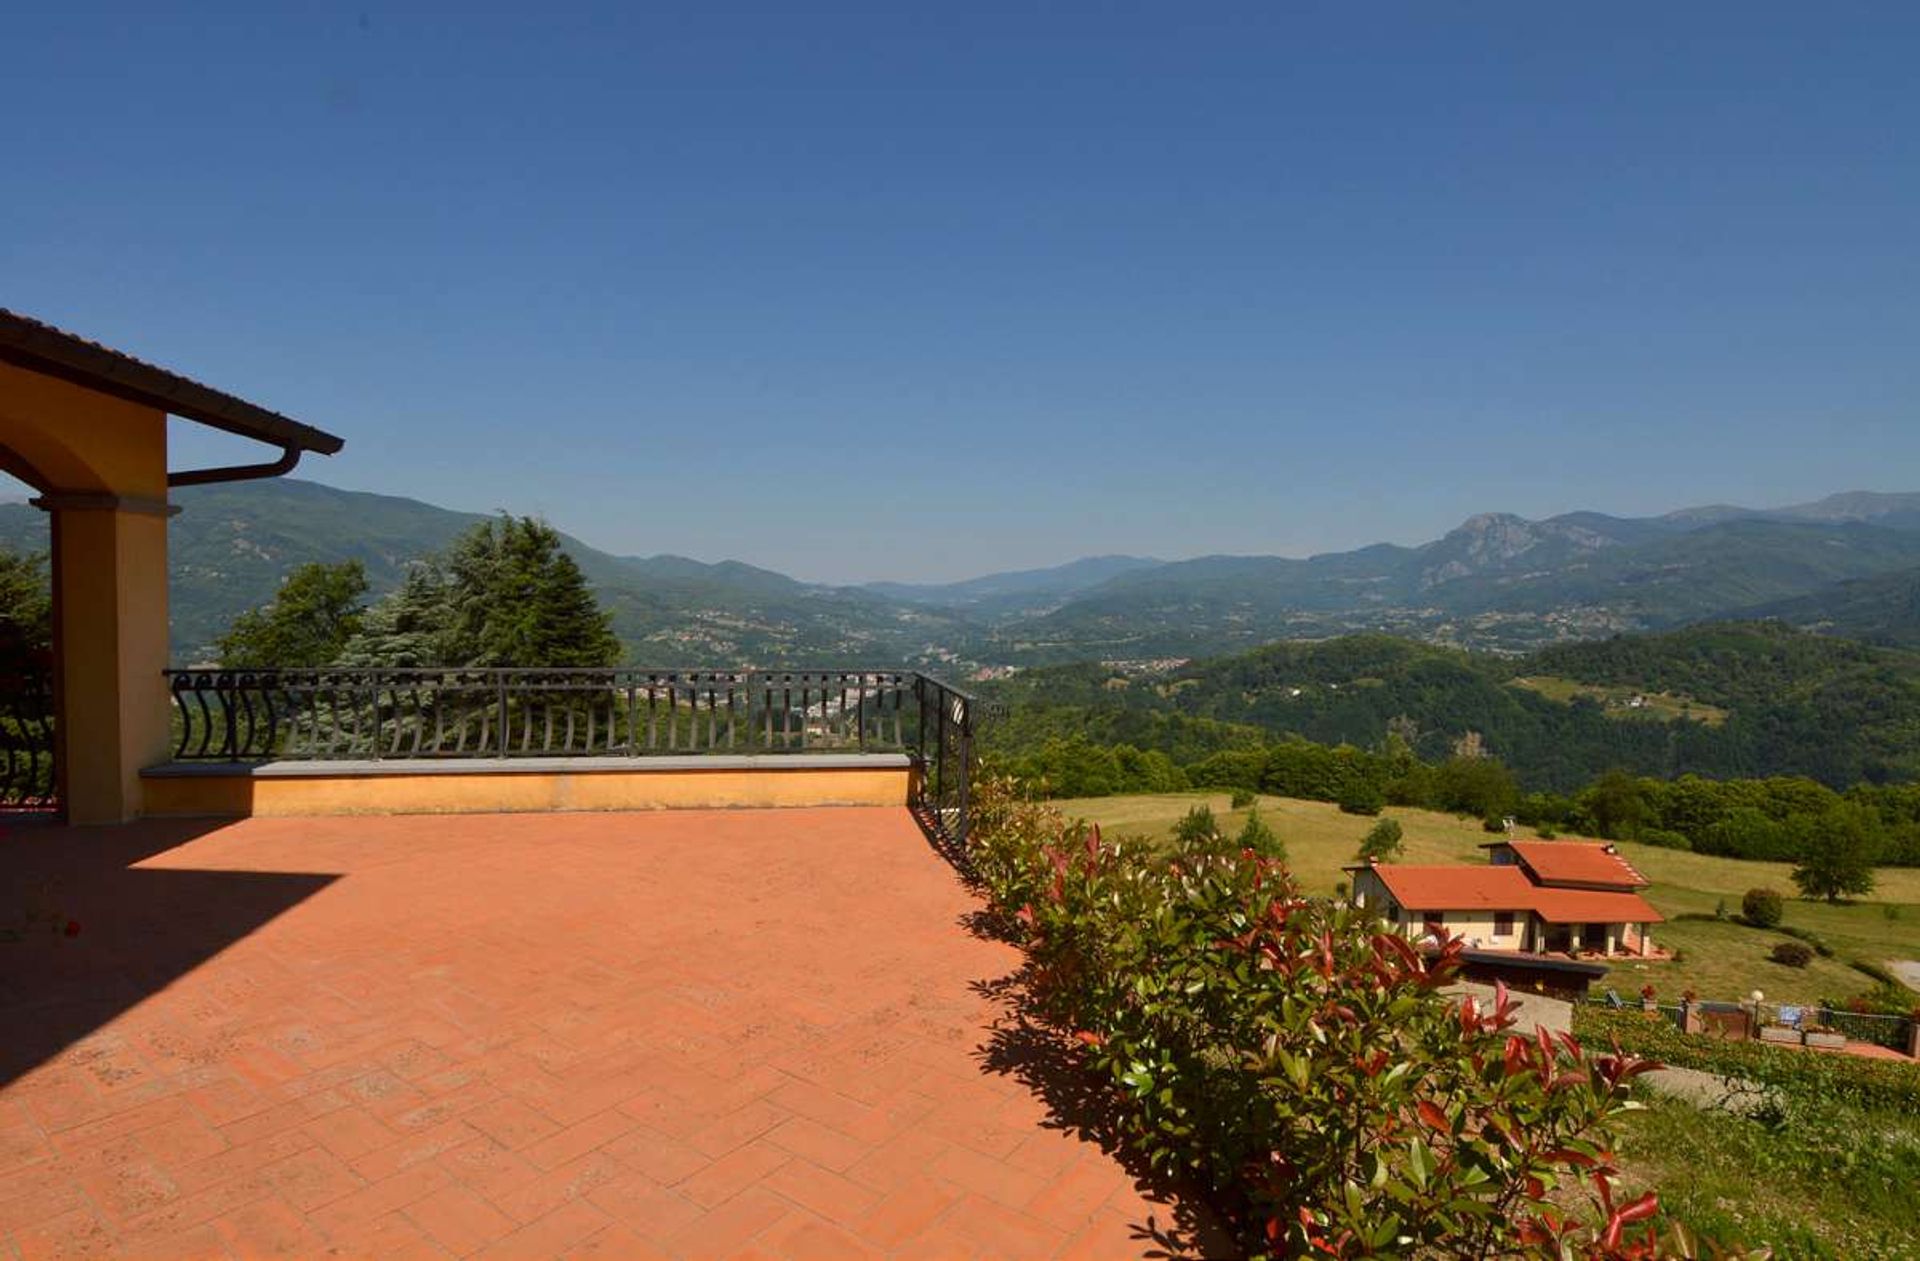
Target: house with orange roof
column 1536, row 897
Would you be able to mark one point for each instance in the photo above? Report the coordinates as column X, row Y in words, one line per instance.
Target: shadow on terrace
column 88, row 933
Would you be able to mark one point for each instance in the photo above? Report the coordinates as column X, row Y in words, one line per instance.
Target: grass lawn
column 1831, row 1184
column 1722, row 960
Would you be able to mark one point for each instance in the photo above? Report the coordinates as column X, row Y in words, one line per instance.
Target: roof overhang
column 28, row 343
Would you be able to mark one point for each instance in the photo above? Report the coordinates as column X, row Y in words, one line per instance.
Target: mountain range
column 1848, row 564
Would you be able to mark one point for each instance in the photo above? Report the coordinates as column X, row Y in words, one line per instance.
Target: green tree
column 519, row 600
column 26, row 609
column 1382, row 842
column 1255, row 835
column 1617, row 804
column 1841, row 846
column 410, row 627
column 1361, row 797
column 504, row 594
column 310, row 620
column 1197, row 828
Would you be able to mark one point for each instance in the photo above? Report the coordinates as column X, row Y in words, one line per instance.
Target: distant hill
column 1021, row 590
column 1884, row 609
column 1497, row 582
column 231, row 545
column 1783, row 702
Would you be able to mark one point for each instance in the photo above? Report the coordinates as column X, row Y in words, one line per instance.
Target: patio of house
column 675, row 1033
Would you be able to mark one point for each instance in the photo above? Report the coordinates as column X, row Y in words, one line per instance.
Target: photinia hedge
column 1304, row 1066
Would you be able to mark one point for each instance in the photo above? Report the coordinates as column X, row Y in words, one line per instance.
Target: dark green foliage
column 1762, row 908
column 1878, row 1084
column 1243, row 797
column 1617, row 805
column 1838, row 853
column 1800, row 704
column 1874, row 971
column 1361, row 796
column 1474, row 786
column 519, row 600
column 1495, row 824
column 26, row 610
column 505, row 594
column 1819, row 944
column 1382, row 843
column 1198, row 827
column 1665, row 838
column 1075, row 767
column 1792, row 954
column 317, row 610
column 1260, row 839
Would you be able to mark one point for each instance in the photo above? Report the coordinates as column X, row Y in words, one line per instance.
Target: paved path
column 684, row 1034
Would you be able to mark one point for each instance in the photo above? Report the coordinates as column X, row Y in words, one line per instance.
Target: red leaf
column 1641, row 1209
column 1088, row 1037
column 1431, row 1114
column 73, row 928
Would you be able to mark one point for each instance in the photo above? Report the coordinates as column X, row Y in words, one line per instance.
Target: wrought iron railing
column 27, row 777
column 331, row 714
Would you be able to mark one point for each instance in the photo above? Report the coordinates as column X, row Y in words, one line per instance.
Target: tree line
column 1778, row 818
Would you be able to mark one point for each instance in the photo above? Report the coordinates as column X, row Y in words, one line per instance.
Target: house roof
column 1578, row 862
column 1457, row 888
column 1509, row 889
column 1591, row 906
column 38, row 347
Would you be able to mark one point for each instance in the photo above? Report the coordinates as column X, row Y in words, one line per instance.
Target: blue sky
column 920, row 291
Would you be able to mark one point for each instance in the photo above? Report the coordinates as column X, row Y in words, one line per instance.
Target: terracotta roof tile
column 1457, row 888
column 1592, row 906
column 1578, row 862
column 1509, row 889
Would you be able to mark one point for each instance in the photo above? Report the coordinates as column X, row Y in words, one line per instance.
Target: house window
column 1503, row 924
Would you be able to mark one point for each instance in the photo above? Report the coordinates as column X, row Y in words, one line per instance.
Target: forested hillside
column 1724, row 700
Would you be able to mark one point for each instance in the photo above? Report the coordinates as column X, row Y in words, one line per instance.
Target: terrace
column 418, row 962
column 677, row 1033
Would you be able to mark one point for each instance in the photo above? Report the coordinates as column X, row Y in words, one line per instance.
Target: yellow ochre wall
column 235, row 796
column 101, row 466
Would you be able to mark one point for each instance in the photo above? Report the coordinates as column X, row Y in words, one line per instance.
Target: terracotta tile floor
column 682, row 1034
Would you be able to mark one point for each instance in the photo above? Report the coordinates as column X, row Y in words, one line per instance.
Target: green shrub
column 1819, row 943
column 1243, row 797
column 1495, row 824
column 1792, row 953
column 1546, row 832
column 1362, row 797
column 1873, row 970
column 1257, row 838
column 1382, row 843
column 1665, row 838
column 1199, row 825
column 1299, row 1063
column 1762, row 908
column 1892, row 1085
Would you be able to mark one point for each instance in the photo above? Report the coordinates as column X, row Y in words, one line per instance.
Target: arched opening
column 28, row 777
